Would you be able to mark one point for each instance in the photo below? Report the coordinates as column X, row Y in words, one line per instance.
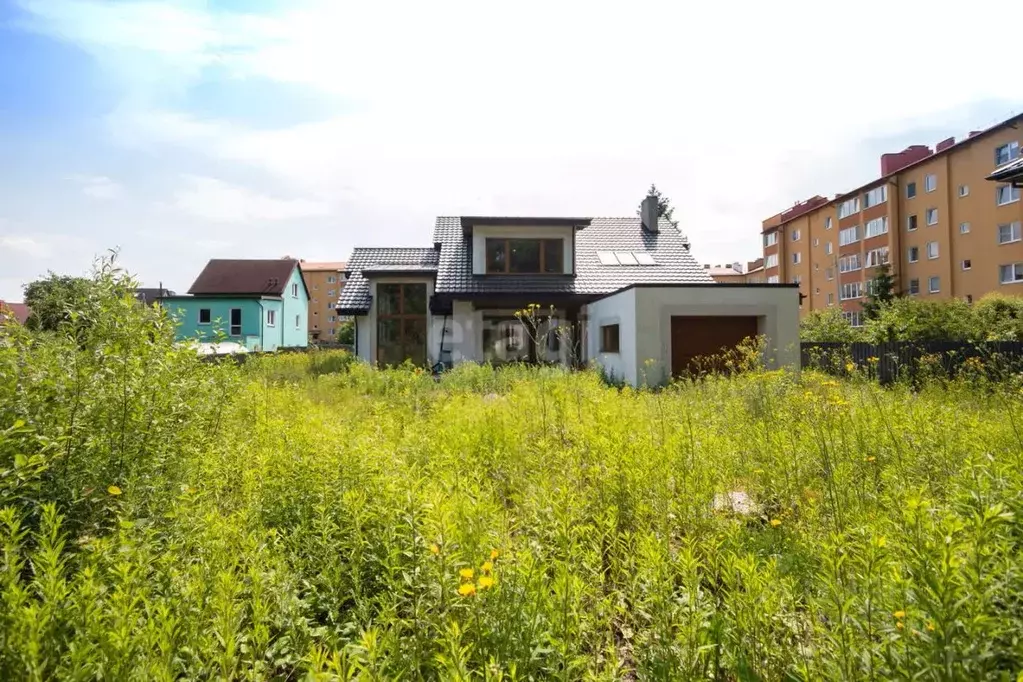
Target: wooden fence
column 889, row 362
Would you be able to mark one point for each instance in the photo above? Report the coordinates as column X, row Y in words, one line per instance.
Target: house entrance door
column 401, row 324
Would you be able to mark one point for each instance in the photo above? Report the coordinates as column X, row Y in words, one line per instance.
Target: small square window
column 934, row 285
column 910, row 190
column 964, row 190
column 330, row 293
column 331, row 279
column 932, row 216
column 816, row 242
column 964, row 228
column 827, row 223
column 966, row 265
column 930, row 182
column 911, row 223
column 205, row 316
column 795, row 235
column 609, row 338
column 932, row 250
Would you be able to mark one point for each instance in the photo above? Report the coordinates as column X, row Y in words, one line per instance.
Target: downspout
column 355, row 322
column 262, row 321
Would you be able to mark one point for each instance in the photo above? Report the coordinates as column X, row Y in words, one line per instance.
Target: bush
column 998, row 318
column 916, row 319
column 827, row 325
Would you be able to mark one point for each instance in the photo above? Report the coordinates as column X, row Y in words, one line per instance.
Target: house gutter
column 355, row 321
column 262, row 318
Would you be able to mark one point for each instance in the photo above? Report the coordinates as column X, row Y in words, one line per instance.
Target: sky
column 175, row 132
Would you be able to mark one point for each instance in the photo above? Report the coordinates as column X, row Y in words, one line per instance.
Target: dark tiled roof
column 1010, row 172
column 151, row 294
column 244, row 277
column 355, row 295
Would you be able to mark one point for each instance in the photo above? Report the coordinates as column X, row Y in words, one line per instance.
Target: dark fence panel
column 889, row 362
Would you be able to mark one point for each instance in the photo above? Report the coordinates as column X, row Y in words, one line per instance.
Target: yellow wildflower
column 434, row 548
column 775, row 523
column 466, row 573
column 881, row 541
column 757, row 472
column 930, row 626
column 849, row 367
column 899, row 625
column 899, row 614
column 114, row 490
column 486, row 582
column 870, row 459
column 493, row 554
column 487, row 567
column 467, row 589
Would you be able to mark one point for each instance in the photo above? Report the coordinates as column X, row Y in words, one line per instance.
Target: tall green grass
column 306, row 517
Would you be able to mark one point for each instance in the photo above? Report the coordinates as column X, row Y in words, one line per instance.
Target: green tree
column 664, row 207
column 998, row 317
column 346, row 333
column 54, row 299
column 881, row 292
column 827, row 325
column 914, row 319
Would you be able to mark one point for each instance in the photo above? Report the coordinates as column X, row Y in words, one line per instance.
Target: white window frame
column 797, row 258
column 773, row 279
column 966, row 264
column 828, row 223
column 964, row 228
column 771, row 260
column 1015, row 232
column 795, row 235
column 853, row 317
column 931, row 289
column 294, row 290
column 913, row 254
column 330, row 292
column 936, row 253
column 914, row 283
column 844, row 240
column 930, row 182
column 854, row 288
column 964, row 191
column 927, row 217
column 199, row 316
column 271, row 318
column 816, row 241
column 1013, row 193
column 829, row 273
column 331, row 279
column 875, row 227
column 911, row 185
column 850, row 263
column 876, row 257
column 875, row 197
column 1012, row 149
column 771, row 238
column 829, row 248
column 831, row 299
column 849, row 207
column 912, row 223
column 1016, row 270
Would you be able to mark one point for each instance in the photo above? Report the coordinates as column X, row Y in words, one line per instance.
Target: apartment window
column 848, row 207
column 877, row 257
column 829, row 274
column 1010, row 233
column 773, row 279
column 932, row 216
column 934, row 284
column 331, row 279
column 795, row 235
column 914, row 287
column 930, row 182
column 849, row 263
column 876, row 196
column 849, row 235
column 797, row 258
column 770, row 239
column 332, row 318
column 910, row 190
column 525, row 256
column 771, row 261
column 294, row 290
column 969, row 298
column 330, row 292
column 816, row 242
column 298, row 321
column 816, row 267
column 817, row 290
column 966, row 264
column 914, row 254
column 1006, row 153
column 829, row 248
column 964, row 228
column 796, row 279
column 330, row 305
column 854, row 317
column 827, row 223
column 876, row 227
column 831, row 299
column 850, row 291
column 964, row 190
column 911, row 223
column 1010, row 274
column 1006, row 194
column 205, row 316
column 271, row 318
column 609, row 338
column 932, row 250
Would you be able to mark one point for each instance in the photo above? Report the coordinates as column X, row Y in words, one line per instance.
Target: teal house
column 258, row 304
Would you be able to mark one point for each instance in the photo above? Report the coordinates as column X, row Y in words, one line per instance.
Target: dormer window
column 525, row 256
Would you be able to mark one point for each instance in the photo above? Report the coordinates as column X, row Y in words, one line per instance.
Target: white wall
column 480, row 234
column 362, row 327
column 617, row 309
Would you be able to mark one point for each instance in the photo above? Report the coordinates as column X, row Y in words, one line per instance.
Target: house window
column 771, row 261
column 848, row 207
column 1010, row 233
column 934, row 284
column 964, row 190
column 851, row 290
column 294, row 290
column 331, row 319
column 271, row 318
column 831, row 299
column 827, row 223
column 911, row 223
column 910, row 190
column 849, row 263
column 854, row 317
column 797, row 258
column 966, row 265
column 1010, row 274
column 914, row 287
column 770, row 239
column 829, row 273
column 795, row 235
column 816, row 242
column 401, row 323
column 877, row 257
column 932, row 250
column 205, row 316
column 876, row 227
column 773, row 279
column 609, row 338
column 930, row 182
column 932, row 216
column 331, row 279
column 1006, row 194
column 876, row 196
column 330, row 292
column 525, row 256
column 964, row 228
column 829, row 248
column 913, row 254
column 298, row 321
column 1006, row 153
column 236, row 322
column 849, row 235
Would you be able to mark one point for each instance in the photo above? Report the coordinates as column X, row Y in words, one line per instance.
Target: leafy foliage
column 664, row 208
column 828, row 325
column 54, row 299
column 346, row 333
column 998, row 318
column 882, row 291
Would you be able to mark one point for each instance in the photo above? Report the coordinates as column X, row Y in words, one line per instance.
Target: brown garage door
column 700, row 337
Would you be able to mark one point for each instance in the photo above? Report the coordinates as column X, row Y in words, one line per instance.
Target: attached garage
column 662, row 330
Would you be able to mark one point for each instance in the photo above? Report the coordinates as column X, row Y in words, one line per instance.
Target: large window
column 1009, row 233
column 876, row 227
column 876, row 196
column 1006, row 153
column 771, row 261
column 401, row 323
column 1010, row 274
column 609, row 338
column 1006, row 194
column 850, row 291
column 849, row 263
column 848, row 207
column 770, row 239
column 849, row 235
column 876, row 257
column 525, row 256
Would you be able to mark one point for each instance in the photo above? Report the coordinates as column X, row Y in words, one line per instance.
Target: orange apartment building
column 943, row 228
column 735, row 274
column 324, row 281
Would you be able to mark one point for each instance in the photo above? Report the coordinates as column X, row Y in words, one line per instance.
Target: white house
column 621, row 292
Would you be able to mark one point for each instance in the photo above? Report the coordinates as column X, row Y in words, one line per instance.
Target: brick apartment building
column 735, row 273
column 932, row 215
column 324, row 281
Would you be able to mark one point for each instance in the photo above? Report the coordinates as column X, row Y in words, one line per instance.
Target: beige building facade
column 325, row 281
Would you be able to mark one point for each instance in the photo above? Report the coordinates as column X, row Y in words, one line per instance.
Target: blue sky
column 182, row 131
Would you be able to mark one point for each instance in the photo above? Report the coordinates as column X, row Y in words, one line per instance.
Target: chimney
column 974, row 133
column 648, row 214
column 944, row 144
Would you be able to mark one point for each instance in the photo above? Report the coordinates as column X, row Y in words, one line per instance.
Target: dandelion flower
column 114, row 490
column 466, row 573
column 467, row 589
column 899, row 625
column 899, row 614
column 487, row 567
column 849, row 367
column 434, row 548
column 775, row 523
column 493, row 554
column 486, row 582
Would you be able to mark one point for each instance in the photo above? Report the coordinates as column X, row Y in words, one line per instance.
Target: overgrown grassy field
column 305, row 517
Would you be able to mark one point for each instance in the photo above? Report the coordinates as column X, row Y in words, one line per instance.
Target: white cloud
column 97, row 186
column 26, row 246
column 218, row 201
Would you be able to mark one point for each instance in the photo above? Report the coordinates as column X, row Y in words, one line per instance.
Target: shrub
column 827, row 325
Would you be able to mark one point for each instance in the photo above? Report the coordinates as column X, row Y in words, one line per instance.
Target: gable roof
column 355, row 297
column 222, row 277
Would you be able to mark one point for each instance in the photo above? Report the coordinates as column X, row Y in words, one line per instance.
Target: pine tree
column 881, row 292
